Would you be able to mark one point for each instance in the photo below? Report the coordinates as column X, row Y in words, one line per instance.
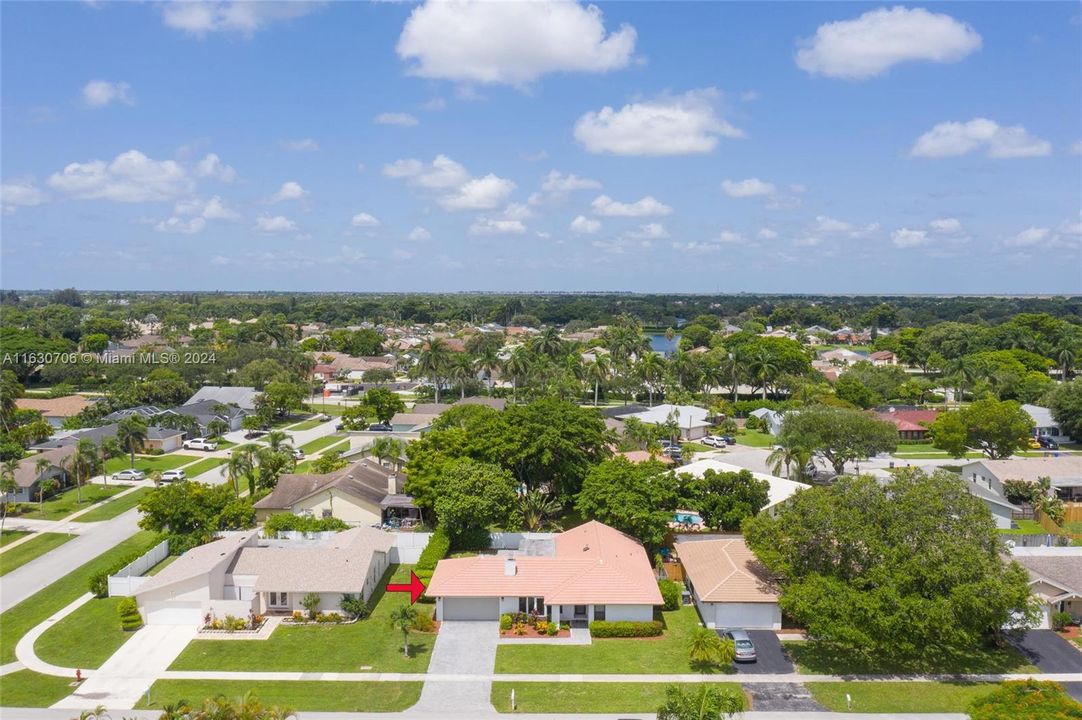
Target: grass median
column 308, row 695
column 26, row 688
column 114, row 506
column 563, row 697
column 899, row 697
column 32, row 549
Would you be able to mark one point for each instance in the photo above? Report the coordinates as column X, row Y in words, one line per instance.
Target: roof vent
column 585, row 548
column 509, row 567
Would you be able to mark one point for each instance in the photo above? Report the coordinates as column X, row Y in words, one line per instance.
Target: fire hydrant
column 78, row 675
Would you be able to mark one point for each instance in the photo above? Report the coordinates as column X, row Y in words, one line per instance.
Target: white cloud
column 456, row 188
column 442, row 174
column 213, row 209
column 1076, row 148
column 1029, row 236
column 697, row 248
column 807, row 241
column 517, row 211
column 752, row 187
column 184, row 226
column 289, row 191
column 364, row 220
column 950, row 139
column 606, row 206
column 510, row 43
column 212, row 166
column 649, row 231
column 767, row 234
column 392, row 118
column 946, row 226
column 479, row 194
column 99, row 93
column 434, row 105
column 880, row 39
column 130, row 177
column 301, row 145
column 670, row 125
column 906, row 238
column 583, row 225
column 240, row 16
column 827, row 224
column 276, row 224
column 418, row 234
column 496, row 226
column 21, row 193
column 1071, row 228
column 400, row 254
column 557, row 187
column 730, row 237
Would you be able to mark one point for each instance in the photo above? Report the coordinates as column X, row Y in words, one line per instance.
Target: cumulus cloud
column 950, row 139
column 826, row 225
column 557, row 186
column 730, row 237
column 670, row 125
column 21, row 193
column 190, row 216
column 289, row 191
column 301, row 145
column 510, row 43
column 752, row 187
column 517, row 211
column 184, row 226
column 275, row 224
column 496, row 226
column 130, row 177
column 395, row 118
column 906, row 238
column 212, row 166
column 238, row 16
column 606, row 206
column 442, row 173
column 364, row 220
column 880, row 39
column 946, row 226
column 767, row 234
column 418, row 234
column 649, row 231
column 1029, row 236
column 456, row 188
column 482, row 193
column 99, row 93
column 583, row 225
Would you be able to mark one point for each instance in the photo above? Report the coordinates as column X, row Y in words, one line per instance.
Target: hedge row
column 671, row 594
column 439, row 545
column 625, row 629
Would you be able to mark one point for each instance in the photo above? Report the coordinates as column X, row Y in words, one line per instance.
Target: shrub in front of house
column 506, row 622
column 129, row 614
column 439, row 545
column 625, row 629
column 354, row 606
column 671, row 593
column 423, row 622
column 1060, row 621
column 552, row 629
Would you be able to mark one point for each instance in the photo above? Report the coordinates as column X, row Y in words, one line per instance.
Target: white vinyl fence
column 408, row 546
column 128, row 579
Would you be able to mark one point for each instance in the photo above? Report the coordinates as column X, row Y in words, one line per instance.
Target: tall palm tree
column 84, row 462
column 460, row 372
column 786, row 458
column 131, row 433
column 686, row 369
column 241, row 464
column 549, row 343
column 730, row 367
column 487, row 362
column 1065, row 356
column 763, row 367
column 650, row 370
column 433, row 361
column 538, row 509
column 598, row 373
column 517, row 366
column 388, row 449
column 278, row 439
column 7, row 487
column 41, row 467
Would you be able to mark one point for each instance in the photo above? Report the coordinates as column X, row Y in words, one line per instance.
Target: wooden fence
column 1050, row 525
column 1072, row 512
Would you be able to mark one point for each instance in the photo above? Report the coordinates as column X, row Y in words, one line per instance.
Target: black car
column 729, row 439
column 380, row 427
column 1047, row 443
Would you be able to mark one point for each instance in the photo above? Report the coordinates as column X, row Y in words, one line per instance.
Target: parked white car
column 713, row 441
column 174, row 475
column 130, row 474
column 200, row 444
column 298, row 454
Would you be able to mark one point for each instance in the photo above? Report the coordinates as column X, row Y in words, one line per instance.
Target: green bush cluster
column 625, row 629
column 423, row 622
column 506, row 622
column 671, row 593
column 331, row 617
column 279, row 522
column 438, row 547
column 130, row 619
column 1060, row 620
column 354, row 606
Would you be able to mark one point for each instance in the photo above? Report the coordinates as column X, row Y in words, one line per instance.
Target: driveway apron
column 461, row 647
column 781, row 697
column 1051, row 653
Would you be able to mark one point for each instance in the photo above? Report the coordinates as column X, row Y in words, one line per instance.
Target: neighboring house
column 323, row 373
column 28, row 478
column 55, row 410
column 362, row 493
column 1002, row 511
column 1046, row 426
column 912, row 424
column 771, row 420
column 591, row 572
column 1055, row 575
column 242, row 573
column 160, row 439
column 883, row 357
column 842, row 356
column 420, row 417
column 730, row 586
column 1064, row 471
column 242, row 397
column 693, row 421
column 203, row 413
column 780, row 490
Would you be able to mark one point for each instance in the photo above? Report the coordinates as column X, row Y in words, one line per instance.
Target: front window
column 599, row 612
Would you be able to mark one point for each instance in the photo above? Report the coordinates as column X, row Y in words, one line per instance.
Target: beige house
column 55, row 410
column 1055, row 575
column 729, row 585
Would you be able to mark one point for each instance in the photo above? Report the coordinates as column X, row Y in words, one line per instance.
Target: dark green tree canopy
column 638, row 499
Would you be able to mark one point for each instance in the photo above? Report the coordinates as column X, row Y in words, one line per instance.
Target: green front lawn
column 9, row 536
column 111, row 508
column 533, row 697
column 310, row 695
column 197, row 469
column 306, row 425
column 327, row 648
column 696, row 447
column 38, row 607
column 149, row 463
column 26, row 688
column 67, row 502
column 665, row 654
column 320, row 443
column 933, row 455
column 899, row 697
column 84, row 639
column 754, row 438
column 820, row 659
column 32, row 549
column 1025, row 527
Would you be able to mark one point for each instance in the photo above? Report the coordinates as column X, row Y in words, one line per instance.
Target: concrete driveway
column 1049, row 652
column 772, row 659
column 781, row 697
column 461, row 647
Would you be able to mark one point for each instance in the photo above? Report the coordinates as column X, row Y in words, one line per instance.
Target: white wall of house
column 344, row 507
column 635, row 613
column 1000, row 514
column 757, row 616
column 328, row 602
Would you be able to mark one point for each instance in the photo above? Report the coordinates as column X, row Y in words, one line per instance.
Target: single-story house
column 203, row 413
column 912, row 423
column 693, row 421
column 55, row 410
column 1055, row 575
column 28, row 478
column 781, row 489
column 1003, row 512
column 730, row 587
column 882, row 358
column 771, row 420
column 1046, row 425
column 842, row 356
column 243, row 573
column 241, row 396
column 361, row 493
column 1065, row 472
column 591, row 572
column 421, row 416
column 158, row 438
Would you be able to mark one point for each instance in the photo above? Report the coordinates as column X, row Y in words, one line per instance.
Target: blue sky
column 708, row 147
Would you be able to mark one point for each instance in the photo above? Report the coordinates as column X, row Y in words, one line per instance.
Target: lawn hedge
column 625, row 629
column 671, row 593
column 437, row 548
column 129, row 614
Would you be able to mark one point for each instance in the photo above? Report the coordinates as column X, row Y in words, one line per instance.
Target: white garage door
column 474, row 608
column 745, row 615
column 174, row 613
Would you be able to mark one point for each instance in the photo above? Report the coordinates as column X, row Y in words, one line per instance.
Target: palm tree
column 402, row 618
column 460, row 372
column 730, row 368
column 651, row 371
column 131, row 433
column 517, row 366
column 217, row 427
column 706, row 648
column 1065, row 356
column 7, row 487
column 598, row 373
column 487, row 362
column 549, row 343
column 277, row 439
column 788, row 457
column 686, row 369
column 241, row 464
column 763, row 367
column 84, row 462
column 388, row 448
column 538, row 508
column 433, row 361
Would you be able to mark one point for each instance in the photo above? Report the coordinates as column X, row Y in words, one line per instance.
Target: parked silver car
column 130, row 474
column 745, row 648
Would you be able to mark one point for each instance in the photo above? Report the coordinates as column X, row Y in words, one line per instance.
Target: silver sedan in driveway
column 129, row 474
column 745, row 648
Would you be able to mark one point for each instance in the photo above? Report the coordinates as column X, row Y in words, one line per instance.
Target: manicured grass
column 696, row 447
column 310, row 695
column 899, row 697
column 67, row 502
column 26, row 688
column 1026, row 527
column 162, row 565
column 1071, row 527
column 18, row 620
column 587, row 697
column 9, row 536
column 224, row 444
column 194, row 471
column 84, row 639
column 754, row 438
column 666, row 654
column 344, row 648
column 820, row 659
column 111, row 508
column 306, row 425
column 18, row 556
column 149, row 463
column 320, row 443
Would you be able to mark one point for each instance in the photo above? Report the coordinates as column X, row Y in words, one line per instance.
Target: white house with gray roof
column 1055, row 578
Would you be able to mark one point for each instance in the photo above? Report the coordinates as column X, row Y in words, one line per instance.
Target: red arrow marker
column 415, row 587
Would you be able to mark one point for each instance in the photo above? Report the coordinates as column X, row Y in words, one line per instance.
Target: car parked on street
column 130, row 474
column 716, row 441
column 745, row 648
column 174, row 475
column 200, row 444
column 1047, row 443
column 298, row 454
column 380, row 427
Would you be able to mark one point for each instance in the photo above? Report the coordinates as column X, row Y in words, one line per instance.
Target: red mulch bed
column 1071, row 632
column 531, row 632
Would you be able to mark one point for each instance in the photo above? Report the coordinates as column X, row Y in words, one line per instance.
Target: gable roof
column 26, row 474
column 1065, row 470
column 726, row 570
column 241, row 396
column 1061, row 566
column 198, row 561
column 65, row 406
column 688, row 416
column 364, row 480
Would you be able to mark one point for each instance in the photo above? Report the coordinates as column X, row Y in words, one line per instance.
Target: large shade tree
column 838, row 435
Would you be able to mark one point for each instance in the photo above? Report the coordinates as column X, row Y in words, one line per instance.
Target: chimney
column 392, row 483
column 509, row 567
